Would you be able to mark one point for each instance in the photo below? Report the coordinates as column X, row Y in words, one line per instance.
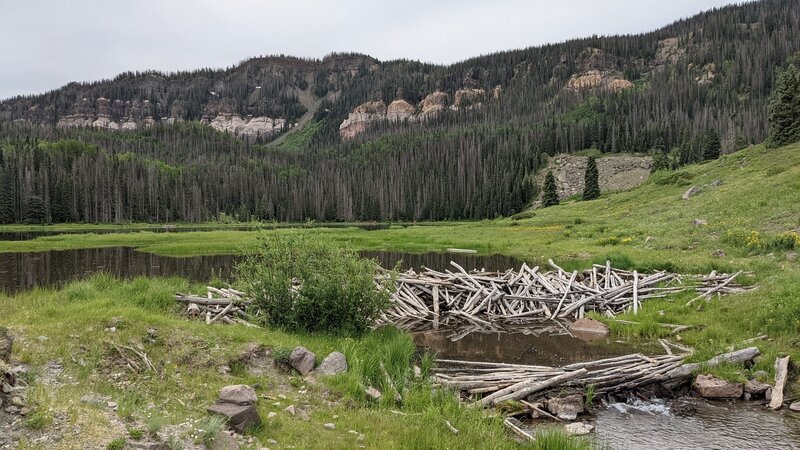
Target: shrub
column 116, row 444
column 303, row 281
column 756, row 241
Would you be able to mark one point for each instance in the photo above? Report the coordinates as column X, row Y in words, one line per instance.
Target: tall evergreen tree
column 711, row 146
column 34, row 209
column 784, row 109
column 591, row 187
column 550, row 196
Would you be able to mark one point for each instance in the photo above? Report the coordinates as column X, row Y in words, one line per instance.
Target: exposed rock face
column 333, row 364
column 709, row 386
column 669, row 51
column 607, row 80
column 254, row 127
column 468, row 98
column 432, row 105
column 617, row 173
column 357, row 121
column 589, row 326
column 302, row 359
column 400, row 110
column 566, row 408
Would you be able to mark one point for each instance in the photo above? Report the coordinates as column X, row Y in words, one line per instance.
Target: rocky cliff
column 617, row 173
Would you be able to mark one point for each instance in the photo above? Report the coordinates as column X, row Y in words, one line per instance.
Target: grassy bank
column 72, row 326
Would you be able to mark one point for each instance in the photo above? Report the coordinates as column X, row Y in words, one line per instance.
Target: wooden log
column 527, row 387
column 781, row 373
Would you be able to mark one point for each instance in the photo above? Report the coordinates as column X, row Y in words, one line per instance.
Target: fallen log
column 781, row 373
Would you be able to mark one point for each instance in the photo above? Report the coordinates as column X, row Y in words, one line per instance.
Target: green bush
column 116, row 444
column 303, row 281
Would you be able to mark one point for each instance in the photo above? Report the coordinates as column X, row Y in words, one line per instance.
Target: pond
column 26, row 270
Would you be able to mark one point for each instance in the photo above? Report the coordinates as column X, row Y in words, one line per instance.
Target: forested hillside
column 397, row 140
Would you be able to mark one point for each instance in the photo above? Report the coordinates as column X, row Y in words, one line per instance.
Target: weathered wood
column 781, row 373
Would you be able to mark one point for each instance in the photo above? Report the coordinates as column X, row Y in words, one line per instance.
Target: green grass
column 190, row 354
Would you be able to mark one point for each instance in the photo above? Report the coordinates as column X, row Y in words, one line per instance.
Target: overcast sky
column 46, row 44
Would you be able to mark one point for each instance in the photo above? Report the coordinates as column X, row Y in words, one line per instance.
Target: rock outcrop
column 402, row 111
column 617, row 173
column 247, row 127
column 598, row 79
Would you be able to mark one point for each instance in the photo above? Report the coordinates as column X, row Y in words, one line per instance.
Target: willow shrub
column 302, row 281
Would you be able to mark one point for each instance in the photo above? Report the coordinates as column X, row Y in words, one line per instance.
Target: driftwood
column 220, row 305
column 781, row 372
column 491, row 383
column 482, row 297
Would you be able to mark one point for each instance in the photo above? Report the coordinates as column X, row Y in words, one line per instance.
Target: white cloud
column 45, row 44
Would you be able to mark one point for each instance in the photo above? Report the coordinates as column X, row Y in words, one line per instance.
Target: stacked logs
column 491, row 383
column 220, row 305
column 482, row 297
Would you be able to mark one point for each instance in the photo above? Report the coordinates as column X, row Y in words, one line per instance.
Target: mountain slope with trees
column 684, row 93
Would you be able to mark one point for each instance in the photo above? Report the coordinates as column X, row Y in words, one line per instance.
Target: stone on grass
column 238, row 394
column 239, row 417
column 224, row 441
column 791, row 256
column 566, row 408
column 755, row 387
column 795, row 406
column 709, row 386
column 373, row 393
column 302, row 360
column 330, row 426
column 589, row 325
column 699, row 222
column 271, row 414
column 333, row 364
column 578, row 428
column 291, row 410
column 691, row 192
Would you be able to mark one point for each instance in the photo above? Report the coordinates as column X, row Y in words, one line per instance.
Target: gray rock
column 716, row 183
column 755, row 387
column 718, row 253
column 578, row 428
column 330, row 426
column 699, row 222
column 691, row 192
column 240, row 418
column 709, row 386
column 588, row 325
column 795, row 406
column 91, row 399
column 238, row 394
column 290, row 410
column 224, row 441
column 333, row 364
column 791, row 256
column 373, row 393
column 302, row 360
column 566, row 408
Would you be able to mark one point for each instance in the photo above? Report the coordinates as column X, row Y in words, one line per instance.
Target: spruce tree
column 591, row 186
column 660, row 162
column 784, row 109
column 711, row 146
column 34, row 209
column 550, row 196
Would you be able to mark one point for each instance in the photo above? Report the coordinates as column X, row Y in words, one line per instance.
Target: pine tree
column 591, row 186
column 784, row 109
column 711, row 146
column 660, row 162
column 550, row 196
column 34, row 209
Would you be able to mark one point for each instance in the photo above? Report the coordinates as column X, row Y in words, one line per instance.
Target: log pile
column 223, row 305
column 491, row 383
column 482, row 297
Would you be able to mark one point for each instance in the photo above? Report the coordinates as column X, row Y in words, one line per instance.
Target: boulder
column 290, row 410
column 373, row 393
column 333, row 364
column 239, row 417
column 330, row 426
column 709, row 386
column 691, row 192
column 755, row 387
column 6, row 341
column 588, row 325
column 578, row 428
column 795, row 406
column 699, row 222
column 238, row 394
column 302, row 360
column 224, row 441
column 566, row 408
